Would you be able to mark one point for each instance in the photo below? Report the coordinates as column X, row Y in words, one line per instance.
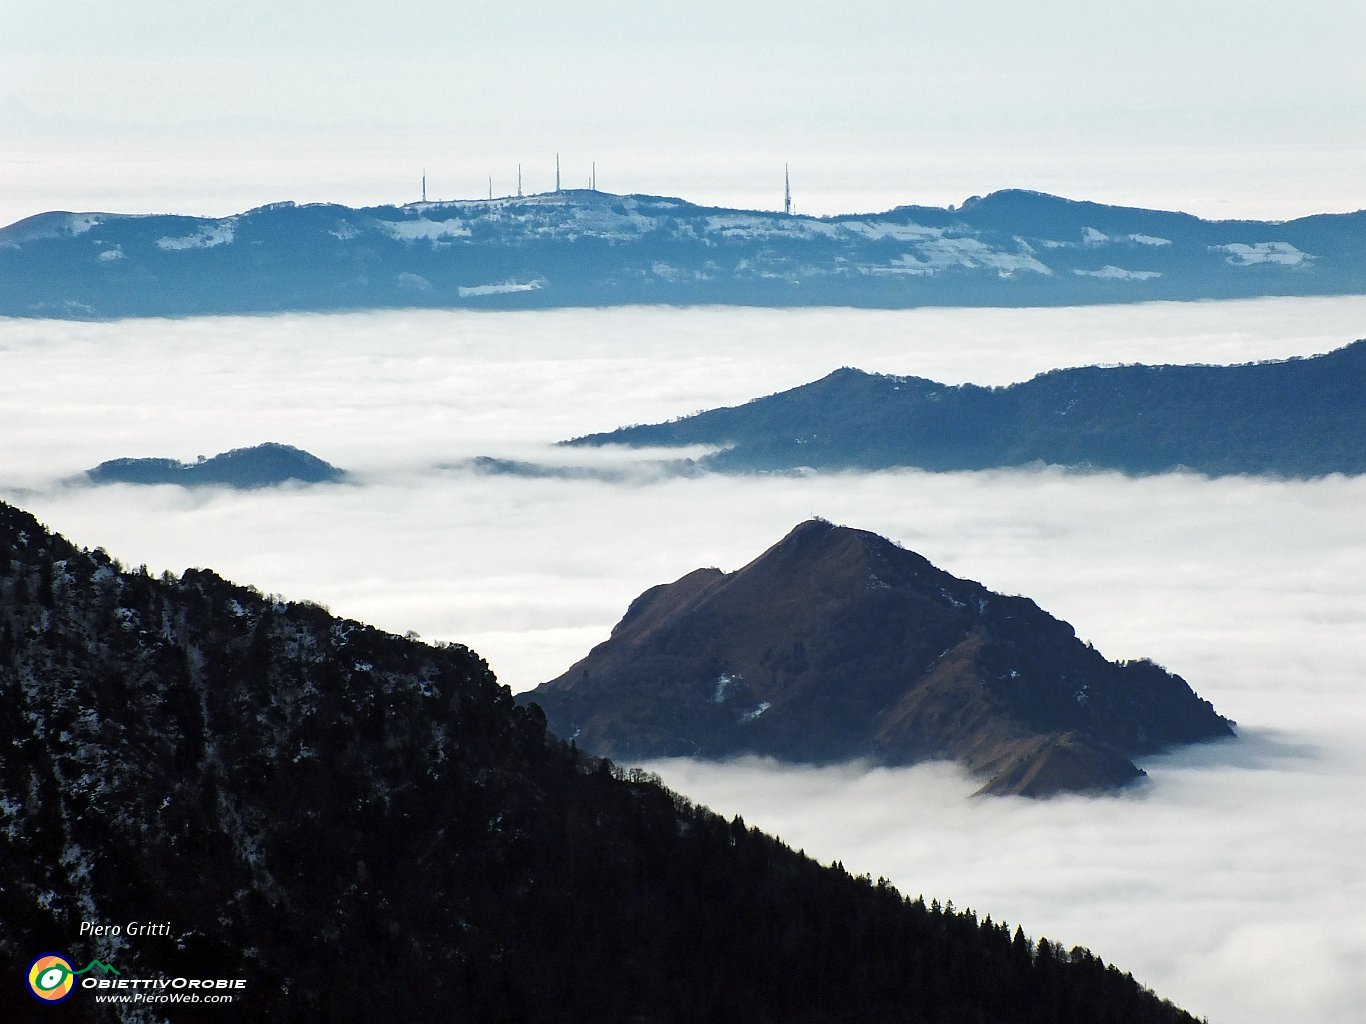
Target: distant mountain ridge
column 1294, row 418
column 262, row 465
column 837, row 645
column 588, row 248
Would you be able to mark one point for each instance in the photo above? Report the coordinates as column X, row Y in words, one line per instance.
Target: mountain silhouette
column 588, row 248
column 1293, row 417
column 263, row 465
column 836, row 645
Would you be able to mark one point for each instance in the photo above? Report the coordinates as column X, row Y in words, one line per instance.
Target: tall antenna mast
column 557, row 172
column 519, row 181
column 424, row 184
column 593, row 182
column 787, row 191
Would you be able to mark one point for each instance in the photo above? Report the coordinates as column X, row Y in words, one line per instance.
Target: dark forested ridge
column 366, row 828
column 587, row 248
column 262, row 465
column 837, row 645
column 1294, row 418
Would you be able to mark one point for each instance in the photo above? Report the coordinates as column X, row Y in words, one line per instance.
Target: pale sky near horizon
column 1225, row 109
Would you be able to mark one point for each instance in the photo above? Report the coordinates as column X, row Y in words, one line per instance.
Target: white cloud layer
column 1232, row 883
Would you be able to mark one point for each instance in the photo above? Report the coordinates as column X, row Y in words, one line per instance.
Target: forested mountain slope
column 365, row 828
column 1293, row 417
column 587, row 248
column 262, row 465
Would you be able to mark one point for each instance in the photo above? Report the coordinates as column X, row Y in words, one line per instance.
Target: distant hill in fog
column 1294, row 418
column 263, row 465
column 588, row 248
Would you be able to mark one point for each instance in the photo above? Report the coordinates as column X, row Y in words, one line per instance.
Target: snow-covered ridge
column 46, row 226
column 583, row 246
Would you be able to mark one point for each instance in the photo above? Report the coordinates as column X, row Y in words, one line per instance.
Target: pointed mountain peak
column 836, row 644
column 819, row 537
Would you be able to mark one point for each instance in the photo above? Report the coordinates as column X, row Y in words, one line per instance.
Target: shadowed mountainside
column 367, row 829
column 586, row 248
column 836, row 644
column 1293, row 417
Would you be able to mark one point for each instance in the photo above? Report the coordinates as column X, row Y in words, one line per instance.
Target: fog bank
column 1230, row 883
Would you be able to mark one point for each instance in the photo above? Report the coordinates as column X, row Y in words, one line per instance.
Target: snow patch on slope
column 750, row 716
column 1119, row 273
column 877, row 230
column 423, row 229
column 938, row 254
column 757, row 225
column 80, row 223
column 221, row 233
column 506, row 288
column 1091, row 237
column 723, row 685
column 1241, row 254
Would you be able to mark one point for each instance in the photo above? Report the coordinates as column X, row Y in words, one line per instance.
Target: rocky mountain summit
column 589, row 248
column 835, row 645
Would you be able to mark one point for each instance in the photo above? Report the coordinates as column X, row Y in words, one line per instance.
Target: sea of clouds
column 1231, row 882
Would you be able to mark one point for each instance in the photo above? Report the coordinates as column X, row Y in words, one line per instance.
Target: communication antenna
column 593, row 182
column 519, row 181
column 424, row 184
column 787, row 191
column 557, row 172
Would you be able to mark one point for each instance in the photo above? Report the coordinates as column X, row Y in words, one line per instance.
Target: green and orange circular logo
column 51, row 978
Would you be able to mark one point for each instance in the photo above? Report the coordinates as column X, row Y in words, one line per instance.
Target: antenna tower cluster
column 593, row 183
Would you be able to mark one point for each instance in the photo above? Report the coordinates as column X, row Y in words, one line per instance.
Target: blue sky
column 1222, row 108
